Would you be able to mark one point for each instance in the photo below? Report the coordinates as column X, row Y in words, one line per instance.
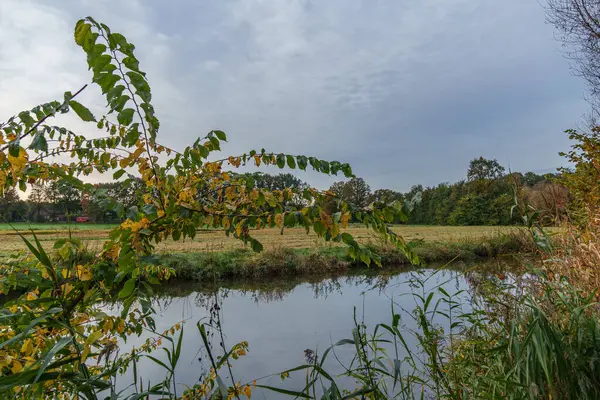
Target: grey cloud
column 407, row 92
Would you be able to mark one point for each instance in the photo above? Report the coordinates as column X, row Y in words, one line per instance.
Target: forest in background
column 486, row 197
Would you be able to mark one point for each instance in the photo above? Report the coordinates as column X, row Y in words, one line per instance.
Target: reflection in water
column 288, row 321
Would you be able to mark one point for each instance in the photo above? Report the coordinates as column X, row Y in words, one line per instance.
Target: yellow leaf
column 108, row 325
column 16, row 367
column 84, row 273
column 344, row 220
column 85, row 353
column 257, row 159
column 335, row 230
column 323, row 215
column 31, row 296
column 20, row 161
column 279, row 220
column 67, row 287
column 27, row 347
column 121, row 326
column 93, row 337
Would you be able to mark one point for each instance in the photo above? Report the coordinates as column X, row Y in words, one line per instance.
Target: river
column 284, row 320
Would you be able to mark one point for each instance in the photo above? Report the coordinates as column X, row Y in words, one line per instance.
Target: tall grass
column 543, row 346
column 297, row 262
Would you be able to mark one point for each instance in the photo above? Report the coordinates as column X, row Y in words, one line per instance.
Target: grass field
column 63, row 227
column 94, row 236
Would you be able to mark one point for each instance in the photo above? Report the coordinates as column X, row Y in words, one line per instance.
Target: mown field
column 214, row 240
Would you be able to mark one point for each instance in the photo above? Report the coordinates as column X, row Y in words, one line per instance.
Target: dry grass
column 271, row 239
column 578, row 257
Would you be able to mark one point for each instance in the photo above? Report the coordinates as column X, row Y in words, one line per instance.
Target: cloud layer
column 407, row 92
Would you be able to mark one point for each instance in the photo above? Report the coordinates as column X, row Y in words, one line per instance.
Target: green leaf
column 107, row 81
column 59, row 243
column 281, row 160
column 83, row 112
column 131, row 63
column 141, row 85
column 99, row 63
column 149, row 209
column 157, row 361
column 349, row 240
column 127, row 288
column 116, row 39
column 115, row 92
column 176, row 234
column 118, row 174
column 289, row 220
column 256, row 245
column 203, row 151
column 26, row 118
column 302, row 162
column 347, row 170
column 125, row 117
column 82, row 30
column 291, row 162
column 285, row 391
column 118, row 103
column 39, row 142
column 14, row 149
column 215, row 142
column 319, row 228
column 364, row 257
column 221, row 135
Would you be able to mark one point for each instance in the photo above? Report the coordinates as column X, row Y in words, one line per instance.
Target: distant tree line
column 61, row 201
column 484, row 198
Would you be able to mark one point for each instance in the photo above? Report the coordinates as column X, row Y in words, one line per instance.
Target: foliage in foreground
column 55, row 340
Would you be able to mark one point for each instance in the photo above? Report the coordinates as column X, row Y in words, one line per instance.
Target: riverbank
column 245, row 264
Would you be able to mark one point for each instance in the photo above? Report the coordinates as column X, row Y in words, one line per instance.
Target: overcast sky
column 407, row 91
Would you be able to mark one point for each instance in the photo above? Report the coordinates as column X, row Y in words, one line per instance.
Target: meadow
column 207, row 240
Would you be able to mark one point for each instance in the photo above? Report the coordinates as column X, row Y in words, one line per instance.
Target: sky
column 405, row 91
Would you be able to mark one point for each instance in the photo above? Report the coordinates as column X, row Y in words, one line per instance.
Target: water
column 282, row 319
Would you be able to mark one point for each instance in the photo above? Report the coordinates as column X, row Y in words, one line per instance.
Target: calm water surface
column 281, row 319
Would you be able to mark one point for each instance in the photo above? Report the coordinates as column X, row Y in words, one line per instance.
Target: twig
column 52, row 114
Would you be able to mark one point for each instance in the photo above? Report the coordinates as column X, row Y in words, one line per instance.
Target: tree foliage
column 486, row 198
column 54, row 339
column 481, row 169
column 356, row 192
column 582, row 180
column 12, row 208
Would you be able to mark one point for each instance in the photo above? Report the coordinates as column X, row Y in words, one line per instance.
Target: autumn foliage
column 54, row 338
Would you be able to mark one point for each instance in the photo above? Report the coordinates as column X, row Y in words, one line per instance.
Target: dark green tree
column 37, row 200
column 356, row 192
column 12, row 208
column 484, row 169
